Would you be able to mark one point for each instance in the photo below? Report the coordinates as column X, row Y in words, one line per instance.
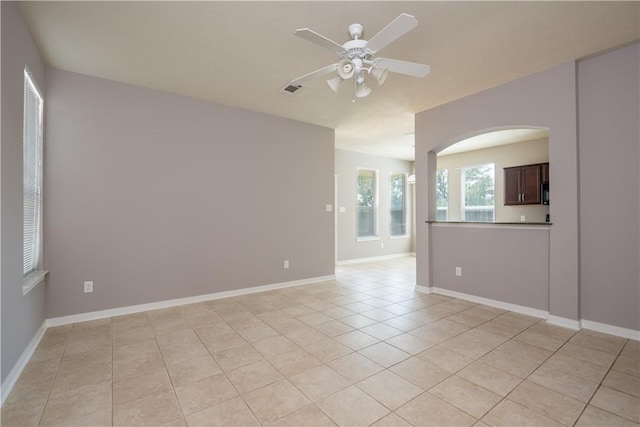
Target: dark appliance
column 545, row 193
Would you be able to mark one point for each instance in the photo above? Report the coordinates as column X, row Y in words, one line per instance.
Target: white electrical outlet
column 286, row 263
column 88, row 287
column 328, row 208
column 382, row 244
column 458, row 271
column 523, row 218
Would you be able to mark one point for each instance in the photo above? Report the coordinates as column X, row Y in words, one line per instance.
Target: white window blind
column 32, row 174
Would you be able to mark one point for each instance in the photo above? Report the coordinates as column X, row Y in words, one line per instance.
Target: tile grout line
column 502, row 398
column 601, row 383
column 524, row 379
column 411, row 356
column 55, row 376
column 336, row 297
column 226, row 376
column 596, row 389
column 166, row 368
column 311, row 402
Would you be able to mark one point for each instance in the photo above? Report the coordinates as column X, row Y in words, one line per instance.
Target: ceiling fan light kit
column 346, row 69
column 335, row 83
column 357, row 57
column 380, row 74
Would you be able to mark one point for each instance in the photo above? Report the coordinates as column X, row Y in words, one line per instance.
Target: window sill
column 404, row 236
column 367, row 239
column 32, row 280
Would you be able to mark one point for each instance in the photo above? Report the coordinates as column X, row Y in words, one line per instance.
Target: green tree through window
column 442, row 194
column 478, row 193
column 398, row 225
column 367, row 203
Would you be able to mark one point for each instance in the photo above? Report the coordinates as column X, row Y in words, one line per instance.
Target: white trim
column 367, row 238
column 20, row 364
column 550, row 318
column 83, row 317
column 493, row 303
column 564, row 322
column 32, row 280
column 403, row 236
column 375, row 258
column 423, row 289
column 610, row 329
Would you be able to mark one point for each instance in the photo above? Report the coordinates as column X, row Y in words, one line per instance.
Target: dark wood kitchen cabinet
column 522, row 184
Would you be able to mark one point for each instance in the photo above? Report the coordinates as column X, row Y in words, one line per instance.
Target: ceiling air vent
column 290, row 89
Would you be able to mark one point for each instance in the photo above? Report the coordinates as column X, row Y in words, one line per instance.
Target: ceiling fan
column 357, row 57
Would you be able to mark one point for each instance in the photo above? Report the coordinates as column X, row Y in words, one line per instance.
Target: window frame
column 404, row 207
column 444, row 209
column 32, row 183
column 463, row 190
column 376, row 201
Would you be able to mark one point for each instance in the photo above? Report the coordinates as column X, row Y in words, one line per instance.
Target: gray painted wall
column 155, row 196
column 608, row 96
column 502, row 263
column 22, row 316
column 593, row 242
column 347, row 164
column 547, row 100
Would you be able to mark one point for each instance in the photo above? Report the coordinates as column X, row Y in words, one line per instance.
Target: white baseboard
column 22, row 361
column 376, row 258
column 102, row 314
column 550, row 318
column 493, row 303
column 14, row 374
column 564, row 322
column 610, row 329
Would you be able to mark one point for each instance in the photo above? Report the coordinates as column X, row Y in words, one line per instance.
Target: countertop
column 488, row 223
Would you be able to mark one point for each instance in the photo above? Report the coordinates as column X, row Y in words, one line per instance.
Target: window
column 398, row 225
column 32, row 175
column 442, row 194
column 367, row 203
column 478, row 193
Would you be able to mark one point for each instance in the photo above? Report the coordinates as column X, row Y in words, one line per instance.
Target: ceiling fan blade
column 319, row 39
column 396, row 29
column 402, row 67
column 322, row 71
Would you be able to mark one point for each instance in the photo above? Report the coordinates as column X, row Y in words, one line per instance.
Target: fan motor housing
column 355, row 48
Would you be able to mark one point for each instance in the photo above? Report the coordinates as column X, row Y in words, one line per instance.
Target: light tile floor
column 361, row 350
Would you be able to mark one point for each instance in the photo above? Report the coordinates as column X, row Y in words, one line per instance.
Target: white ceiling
column 241, row 53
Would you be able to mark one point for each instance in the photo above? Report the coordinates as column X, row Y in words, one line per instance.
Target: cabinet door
column 511, row 186
column 530, row 181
